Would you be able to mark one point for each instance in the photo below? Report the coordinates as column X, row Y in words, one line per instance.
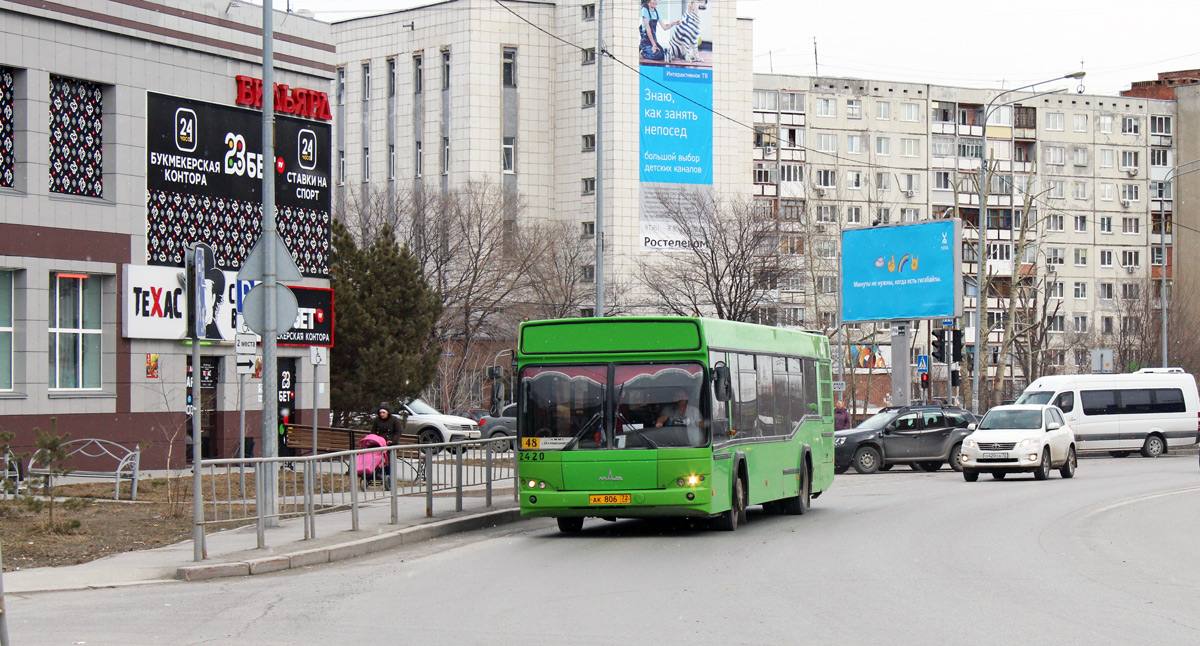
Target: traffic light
column 953, row 377
column 939, row 345
column 956, row 345
column 925, row 380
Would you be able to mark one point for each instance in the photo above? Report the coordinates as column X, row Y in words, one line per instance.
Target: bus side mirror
column 722, row 387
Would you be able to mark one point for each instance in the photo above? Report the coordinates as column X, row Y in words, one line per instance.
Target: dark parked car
column 471, row 413
column 499, row 427
column 924, row 437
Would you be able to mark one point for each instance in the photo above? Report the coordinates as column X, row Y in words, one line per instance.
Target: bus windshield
column 616, row 406
column 1036, row 397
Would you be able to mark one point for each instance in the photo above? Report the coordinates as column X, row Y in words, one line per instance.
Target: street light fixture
column 980, row 292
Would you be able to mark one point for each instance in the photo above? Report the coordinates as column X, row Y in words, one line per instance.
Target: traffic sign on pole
column 922, row 363
column 245, row 364
column 245, row 344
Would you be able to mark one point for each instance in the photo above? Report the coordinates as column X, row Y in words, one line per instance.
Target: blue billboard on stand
column 909, row 271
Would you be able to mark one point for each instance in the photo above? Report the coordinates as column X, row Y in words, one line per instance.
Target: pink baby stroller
column 372, row 467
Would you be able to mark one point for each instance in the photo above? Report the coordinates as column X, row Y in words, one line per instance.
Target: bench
column 98, row 453
column 331, row 439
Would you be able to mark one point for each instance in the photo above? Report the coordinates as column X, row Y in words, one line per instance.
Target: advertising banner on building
column 314, row 318
column 909, row 271
column 676, row 122
column 156, row 306
column 204, row 172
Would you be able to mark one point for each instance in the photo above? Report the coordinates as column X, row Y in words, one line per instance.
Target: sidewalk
column 235, row 553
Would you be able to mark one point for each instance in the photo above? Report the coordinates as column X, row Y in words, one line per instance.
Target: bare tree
column 719, row 271
column 562, row 281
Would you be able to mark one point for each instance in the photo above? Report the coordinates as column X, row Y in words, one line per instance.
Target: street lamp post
column 980, row 293
column 1162, row 244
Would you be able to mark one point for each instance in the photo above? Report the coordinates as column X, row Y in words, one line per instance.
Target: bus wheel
column 1153, row 447
column 570, row 525
column 728, row 520
column 799, row 504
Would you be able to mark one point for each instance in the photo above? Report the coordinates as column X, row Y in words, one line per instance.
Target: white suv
column 1019, row 439
column 433, row 427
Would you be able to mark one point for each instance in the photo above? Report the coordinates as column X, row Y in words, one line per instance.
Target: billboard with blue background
column 675, row 55
column 909, row 271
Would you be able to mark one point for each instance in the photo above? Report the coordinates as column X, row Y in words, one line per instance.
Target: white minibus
column 1149, row 411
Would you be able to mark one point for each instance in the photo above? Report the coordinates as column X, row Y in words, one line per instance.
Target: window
column 1131, row 193
column 1131, row 126
column 1080, row 193
column 6, row 330
column 445, row 155
column 1106, row 291
column 341, row 167
column 883, row 181
column 910, row 112
column 418, row 159
column 339, row 90
column 508, row 154
column 767, row 100
column 391, row 68
column 589, row 11
column 1079, row 156
column 1081, row 324
column 1056, row 155
column 74, row 331
column 366, row 170
column 1129, row 159
column 1081, row 291
column 853, row 109
column 883, row 215
column 1160, row 125
column 1160, row 157
column 445, row 69
column 509, row 66
column 826, row 107
column 910, row 182
column 791, row 210
column 589, row 98
column 1131, row 225
column 589, row 55
column 766, row 172
column 826, row 178
column 1129, row 291
column 1160, row 190
column 826, row 284
column 589, row 185
column 943, row 180
column 588, row 229
column 1056, row 256
column 793, row 316
column 943, row 147
column 998, row 149
column 1056, row 289
column 999, row 251
column 1104, row 123
column 589, row 143
column 1106, row 324
column 366, row 82
column 825, row 248
column 1080, row 122
column 793, row 137
column 1107, row 191
column 1056, row 357
column 854, row 144
column 1131, row 258
column 854, row 214
column 883, row 146
column 943, row 112
column 587, row 273
column 910, row 147
column 1081, row 257
column 791, row 245
column 1130, row 325
column 1055, row 222
column 1081, row 223
column 910, row 215
column 827, row 143
column 826, row 213
column 883, row 110
column 791, row 101
column 791, row 172
column 970, row 148
column 391, row 161
column 1055, row 323
column 418, row 74
column 1156, row 256
column 1106, row 258
column 766, row 135
column 1054, row 121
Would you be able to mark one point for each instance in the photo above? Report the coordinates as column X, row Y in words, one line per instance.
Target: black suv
column 924, row 437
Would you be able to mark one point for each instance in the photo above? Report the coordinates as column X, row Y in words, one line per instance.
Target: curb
column 348, row 550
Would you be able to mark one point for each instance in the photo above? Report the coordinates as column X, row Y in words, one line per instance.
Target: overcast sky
column 977, row 43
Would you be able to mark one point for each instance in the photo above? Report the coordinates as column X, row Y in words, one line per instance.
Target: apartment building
column 128, row 131
column 1076, row 192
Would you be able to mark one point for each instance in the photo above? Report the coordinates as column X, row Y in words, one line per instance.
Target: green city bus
column 604, row 430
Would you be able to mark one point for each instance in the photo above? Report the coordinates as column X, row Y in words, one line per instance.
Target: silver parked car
column 500, row 428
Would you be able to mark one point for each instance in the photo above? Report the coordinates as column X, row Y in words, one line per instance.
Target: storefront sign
column 299, row 101
column 314, row 318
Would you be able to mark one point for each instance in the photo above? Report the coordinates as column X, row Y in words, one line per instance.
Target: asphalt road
column 1109, row 557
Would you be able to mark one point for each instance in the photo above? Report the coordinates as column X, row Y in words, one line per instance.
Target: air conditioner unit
column 1126, row 203
column 910, row 193
column 1129, row 269
column 1131, row 171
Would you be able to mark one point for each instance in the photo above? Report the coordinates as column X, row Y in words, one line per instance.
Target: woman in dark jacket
column 386, row 425
column 841, row 417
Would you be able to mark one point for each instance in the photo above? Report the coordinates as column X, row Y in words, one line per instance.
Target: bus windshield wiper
column 649, row 442
column 587, row 427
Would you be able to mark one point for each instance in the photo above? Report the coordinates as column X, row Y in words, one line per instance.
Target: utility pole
column 270, row 413
column 599, row 277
